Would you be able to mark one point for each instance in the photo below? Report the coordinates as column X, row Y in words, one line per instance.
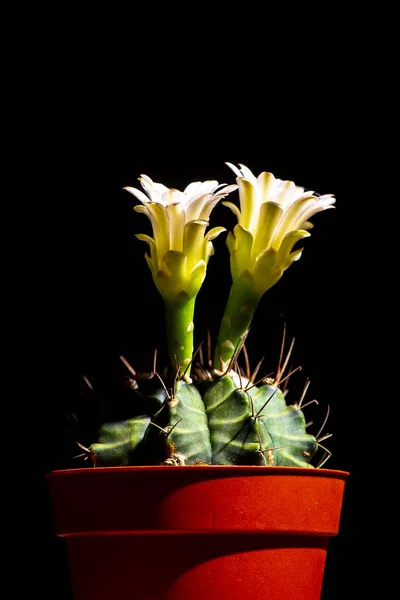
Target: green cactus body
column 118, row 442
column 219, row 423
column 234, row 432
column 191, row 436
column 285, row 441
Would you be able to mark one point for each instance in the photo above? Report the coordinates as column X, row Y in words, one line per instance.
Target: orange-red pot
column 197, row 532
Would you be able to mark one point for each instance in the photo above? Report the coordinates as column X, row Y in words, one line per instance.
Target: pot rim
column 234, row 469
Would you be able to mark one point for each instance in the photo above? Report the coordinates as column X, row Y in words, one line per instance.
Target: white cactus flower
column 180, row 247
column 273, row 216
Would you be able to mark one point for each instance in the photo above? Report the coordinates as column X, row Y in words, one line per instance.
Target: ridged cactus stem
column 239, row 312
column 179, row 323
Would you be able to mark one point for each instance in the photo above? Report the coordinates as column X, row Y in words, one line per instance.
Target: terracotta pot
column 197, row 532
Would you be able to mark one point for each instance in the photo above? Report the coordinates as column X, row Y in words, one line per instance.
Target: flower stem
column 239, row 312
column 179, row 323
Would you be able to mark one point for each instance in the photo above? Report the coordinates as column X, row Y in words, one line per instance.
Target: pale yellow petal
column 269, row 218
column 249, row 205
column 141, row 209
column 150, row 262
column 299, row 212
column 230, row 242
column 192, row 189
column 307, row 225
column 295, row 256
column 214, row 232
column 138, row 194
column 163, row 283
column 241, row 256
column 233, row 208
column 173, row 197
column 208, row 250
column 285, row 193
column 196, row 278
column 176, row 217
column 155, row 190
column 207, row 187
column 266, row 184
column 234, row 169
column 149, row 240
column 289, row 241
column 195, row 206
column 193, row 241
column 211, row 202
column 247, row 174
column 267, row 271
column 175, row 265
column 160, row 224
column 309, row 211
column 209, row 206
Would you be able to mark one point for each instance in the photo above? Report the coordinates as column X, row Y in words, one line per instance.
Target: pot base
column 188, row 566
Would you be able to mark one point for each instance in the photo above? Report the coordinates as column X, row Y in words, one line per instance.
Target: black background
column 93, row 126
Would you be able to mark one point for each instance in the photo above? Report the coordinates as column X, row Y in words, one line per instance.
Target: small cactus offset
column 215, row 415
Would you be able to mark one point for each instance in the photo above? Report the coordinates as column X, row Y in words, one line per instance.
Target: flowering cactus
column 220, row 417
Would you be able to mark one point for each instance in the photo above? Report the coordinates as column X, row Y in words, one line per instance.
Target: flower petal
column 266, row 184
column 173, row 197
column 289, row 241
column 196, row 278
column 285, row 193
column 240, row 258
column 234, row 169
column 307, row 225
column 193, row 241
column 208, row 250
column 295, row 256
column 141, row 209
column 267, row 270
column 249, row 203
column 160, row 224
column 138, row 194
column 195, row 205
column 207, row 187
column 214, row 232
column 149, row 240
column 299, row 212
column 176, row 216
column 175, row 263
column 150, row 262
column 230, row 242
column 192, row 188
column 269, row 218
column 154, row 190
column 233, row 208
column 247, row 174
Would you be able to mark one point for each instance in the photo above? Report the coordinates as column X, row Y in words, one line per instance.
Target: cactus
column 215, row 416
column 215, row 422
